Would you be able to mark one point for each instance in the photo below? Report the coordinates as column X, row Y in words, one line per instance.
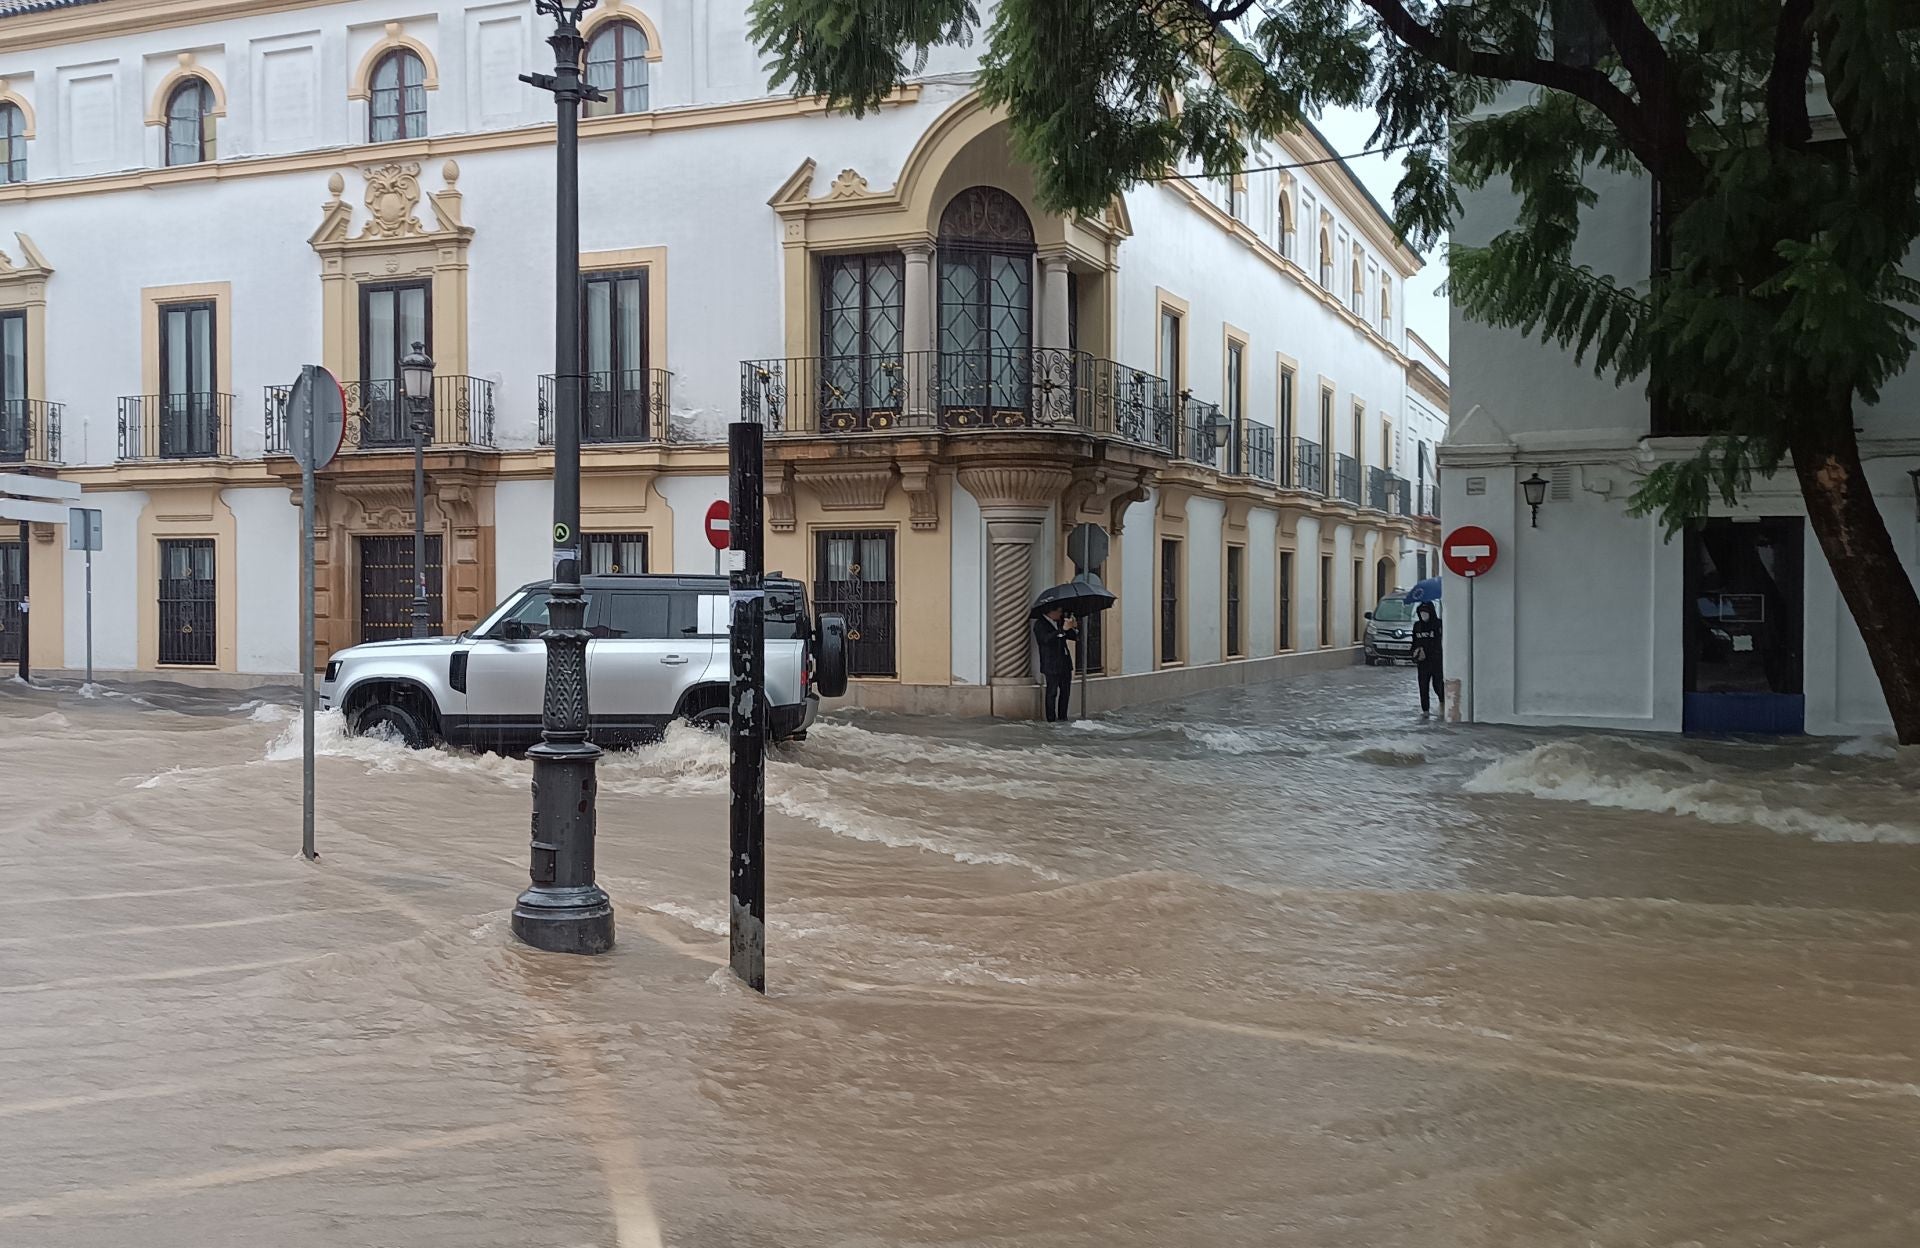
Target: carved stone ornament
column 849, row 185
column 778, row 489
column 849, row 489
column 393, row 193
column 922, row 501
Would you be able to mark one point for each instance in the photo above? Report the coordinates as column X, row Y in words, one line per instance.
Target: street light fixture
column 1913, row 475
column 1535, row 488
column 563, row 910
column 416, row 385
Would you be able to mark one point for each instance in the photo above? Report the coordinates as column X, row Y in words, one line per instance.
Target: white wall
column 1262, row 567
column 1200, row 596
column 1139, row 589
column 688, row 498
column 268, row 555
column 522, row 546
column 970, row 602
column 116, row 586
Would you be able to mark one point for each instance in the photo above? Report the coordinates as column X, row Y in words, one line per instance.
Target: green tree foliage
column 1776, row 305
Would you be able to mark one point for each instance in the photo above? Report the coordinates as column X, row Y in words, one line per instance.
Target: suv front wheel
column 403, row 722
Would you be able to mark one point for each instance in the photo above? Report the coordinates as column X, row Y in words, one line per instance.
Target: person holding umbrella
column 1053, row 628
column 1427, row 655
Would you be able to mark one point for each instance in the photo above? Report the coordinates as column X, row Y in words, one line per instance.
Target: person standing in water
column 1427, row 655
column 1051, row 633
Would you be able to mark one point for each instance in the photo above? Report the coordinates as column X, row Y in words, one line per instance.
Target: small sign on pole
column 1469, row 551
column 83, row 533
column 316, row 416
column 719, row 525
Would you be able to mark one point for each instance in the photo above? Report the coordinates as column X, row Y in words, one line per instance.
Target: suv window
column 646, row 617
column 526, row 617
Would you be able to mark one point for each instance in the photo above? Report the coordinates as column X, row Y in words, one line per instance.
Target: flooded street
column 1285, row 966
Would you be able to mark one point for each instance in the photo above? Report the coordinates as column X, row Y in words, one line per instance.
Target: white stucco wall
column 522, row 544
column 267, row 566
column 1262, row 596
column 1139, row 590
column 116, row 586
column 969, row 573
column 1202, row 594
column 1306, row 595
column 688, row 498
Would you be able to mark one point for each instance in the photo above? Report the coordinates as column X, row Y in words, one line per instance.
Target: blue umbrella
column 1425, row 591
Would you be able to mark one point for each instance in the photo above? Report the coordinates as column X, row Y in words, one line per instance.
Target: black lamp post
column 1535, row 488
column 563, row 910
column 1913, row 475
column 416, row 384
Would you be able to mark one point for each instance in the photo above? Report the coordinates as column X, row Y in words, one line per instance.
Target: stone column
column 1013, row 501
column 1054, row 322
column 917, row 329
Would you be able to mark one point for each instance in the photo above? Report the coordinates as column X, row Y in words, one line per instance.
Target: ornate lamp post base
column 549, row 915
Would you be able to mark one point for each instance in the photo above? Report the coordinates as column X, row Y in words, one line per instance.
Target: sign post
column 83, row 533
column 316, row 417
column 1470, row 551
column 747, row 704
column 1087, row 547
column 719, row 526
column 31, row 500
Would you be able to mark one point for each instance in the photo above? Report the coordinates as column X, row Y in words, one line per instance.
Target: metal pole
column 564, row 910
column 1473, row 630
column 746, row 720
column 89, row 608
column 1080, row 647
column 26, row 602
column 419, row 519
column 307, row 849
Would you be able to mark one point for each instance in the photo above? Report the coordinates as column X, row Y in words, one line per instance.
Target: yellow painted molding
column 187, row 68
column 9, row 96
column 654, row 261
column 360, row 87
column 153, row 298
column 619, row 11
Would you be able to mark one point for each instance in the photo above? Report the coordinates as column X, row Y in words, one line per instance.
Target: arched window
column 1326, row 261
column 617, row 64
column 13, row 144
column 1358, row 287
column 190, row 123
column 1386, row 304
column 399, row 104
column 986, row 308
column 1286, row 225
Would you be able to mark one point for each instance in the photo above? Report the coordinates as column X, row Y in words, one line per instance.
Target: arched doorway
column 1382, row 579
column 985, row 338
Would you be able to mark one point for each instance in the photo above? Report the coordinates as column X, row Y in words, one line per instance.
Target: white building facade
column 200, row 198
column 1596, row 618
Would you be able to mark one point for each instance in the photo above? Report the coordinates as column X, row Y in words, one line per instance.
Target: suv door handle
column 675, row 660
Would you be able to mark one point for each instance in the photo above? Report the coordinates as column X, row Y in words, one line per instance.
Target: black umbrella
column 1077, row 598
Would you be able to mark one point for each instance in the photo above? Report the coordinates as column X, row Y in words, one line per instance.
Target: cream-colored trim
column 1230, row 334
column 619, row 11
column 654, row 261
column 360, row 86
column 153, row 298
column 1324, row 580
column 1226, row 555
column 1360, row 435
column 23, row 287
column 1326, row 423
column 187, row 68
column 1164, row 301
column 427, row 149
column 1386, row 442
column 1284, row 599
column 1430, row 387
column 192, row 510
column 9, row 96
column 1281, row 363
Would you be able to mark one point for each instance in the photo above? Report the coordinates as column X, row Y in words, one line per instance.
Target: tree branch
column 1787, row 122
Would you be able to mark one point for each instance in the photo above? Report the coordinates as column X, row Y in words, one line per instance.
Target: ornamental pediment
column 392, row 197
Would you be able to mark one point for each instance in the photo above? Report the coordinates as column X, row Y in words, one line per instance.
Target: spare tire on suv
column 830, row 656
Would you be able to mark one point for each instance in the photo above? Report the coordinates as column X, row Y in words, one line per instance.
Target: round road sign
column 719, row 524
column 1469, row 551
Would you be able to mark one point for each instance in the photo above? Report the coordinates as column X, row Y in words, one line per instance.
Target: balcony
column 1346, row 479
column 30, row 431
column 377, row 415
column 1379, row 497
column 1427, row 500
column 965, row 393
column 1309, row 466
column 1203, row 431
column 626, row 407
column 194, row 425
column 1254, row 454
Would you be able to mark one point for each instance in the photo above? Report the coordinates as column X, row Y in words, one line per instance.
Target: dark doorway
column 386, row 587
column 189, row 598
column 11, row 591
column 1744, row 626
column 855, row 577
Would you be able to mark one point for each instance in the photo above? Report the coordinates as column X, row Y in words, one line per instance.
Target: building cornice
column 1430, row 387
column 107, row 18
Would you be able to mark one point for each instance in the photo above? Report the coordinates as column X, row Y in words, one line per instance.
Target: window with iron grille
column 862, row 323
column 11, row 591
column 1093, row 635
column 1284, row 625
column 1169, row 601
column 616, row 554
column 617, row 64
column 386, row 586
column 14, row 432
column 13, row 144
column 1326, row 600
column 1326, row 436
column 854, row 576
column 399, row 105
column 188, row 600
column 1359, row 591
column 1236, row 565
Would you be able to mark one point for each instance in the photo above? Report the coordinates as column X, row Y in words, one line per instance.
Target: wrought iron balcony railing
column 378, row 419
column 1309, row 466
column 919, row 391
column 1346, row 479
column 194, row 425
column 1379, row 496
column 634, row 405
column 1402, row 491
column 1427, row 500
column 1133, row 405
column 30, row 431
column 1259, row 459
column 1204, row 432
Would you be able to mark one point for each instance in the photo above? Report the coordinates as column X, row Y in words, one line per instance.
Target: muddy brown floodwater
column 1280, row 967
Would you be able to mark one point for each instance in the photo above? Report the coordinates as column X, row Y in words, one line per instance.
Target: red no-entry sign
column 1469, row 551
column 719, row 524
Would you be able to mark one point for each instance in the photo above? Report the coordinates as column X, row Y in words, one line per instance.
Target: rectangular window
column 1386, row 445
column 1284, row 625
column 1326, row 600
column 615, row 554
column 854, row 576
column 618, row 404
column 1353, row 618
column 1169, row 601
column 1326, row 435
column 1170, row 351
column 187, row 603
column 393, row 317
column 12, row 589
column 1236, row 625
column 14, row 426
column 652, row 616
column 1359, row 432
column 189, row 398
column 1420, row 563
column 862, row 326
column 1236, row 407
column 1093, row 632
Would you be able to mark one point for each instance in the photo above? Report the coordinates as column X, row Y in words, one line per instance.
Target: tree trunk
column 1859, row 550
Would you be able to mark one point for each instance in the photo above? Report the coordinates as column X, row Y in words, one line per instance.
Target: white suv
column 659, row 653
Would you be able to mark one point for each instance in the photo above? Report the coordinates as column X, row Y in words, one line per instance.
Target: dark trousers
column 1059, row 689
column 1429, row 677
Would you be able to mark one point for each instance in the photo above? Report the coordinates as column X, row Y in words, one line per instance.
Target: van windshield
column 1393, row 611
